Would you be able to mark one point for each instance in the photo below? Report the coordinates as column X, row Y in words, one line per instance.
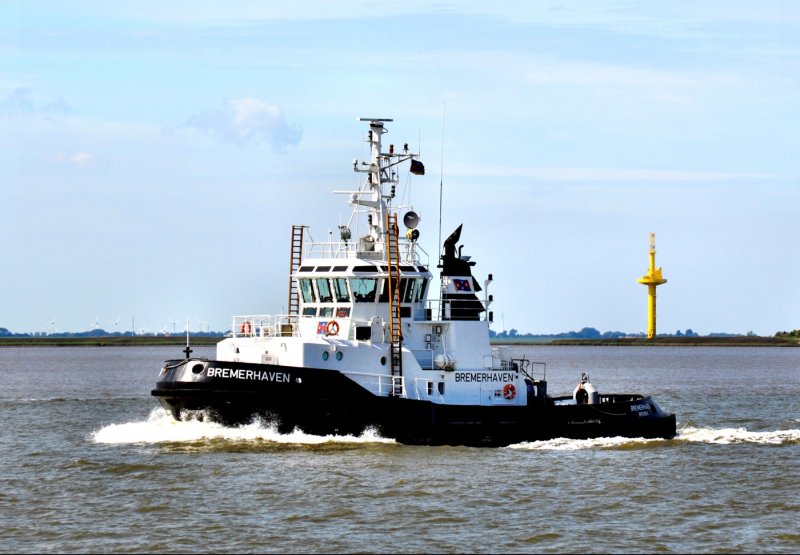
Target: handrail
column 434, row 396
column 410, row 252
column 385, row 382
column 264, row 325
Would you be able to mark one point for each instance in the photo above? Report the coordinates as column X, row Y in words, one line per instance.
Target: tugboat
column 361, row 346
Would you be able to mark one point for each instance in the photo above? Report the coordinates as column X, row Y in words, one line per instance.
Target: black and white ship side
column 362, row 346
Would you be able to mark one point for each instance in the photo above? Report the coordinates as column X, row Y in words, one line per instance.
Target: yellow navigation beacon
column 651, row 280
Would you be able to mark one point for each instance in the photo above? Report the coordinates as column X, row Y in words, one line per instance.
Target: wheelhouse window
column 422, row 284
column 324, row 290
column 340, row 290
column 407, row 288
column 403, row 286
column 307, row 290
column 364, row 289
column 411, row 287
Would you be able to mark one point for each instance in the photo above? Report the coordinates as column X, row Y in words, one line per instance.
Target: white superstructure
column 360, row 306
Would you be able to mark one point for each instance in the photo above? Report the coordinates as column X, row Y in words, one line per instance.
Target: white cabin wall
column 468, row 342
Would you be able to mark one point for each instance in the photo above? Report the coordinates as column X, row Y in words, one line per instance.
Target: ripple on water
column 115, row 474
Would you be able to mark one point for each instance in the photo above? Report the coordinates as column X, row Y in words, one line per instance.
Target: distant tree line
column 4, row 332
column 593, row 333
column 584, row 333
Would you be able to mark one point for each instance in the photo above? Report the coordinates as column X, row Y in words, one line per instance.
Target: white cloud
column 18, row 101
column 667, row 18
column 245, row 120
column 80, row 159
column 23, row 101
column 610, row 174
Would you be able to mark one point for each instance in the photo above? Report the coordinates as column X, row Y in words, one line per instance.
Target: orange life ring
column 246, row 327
column 332, row 328
column 509, row 391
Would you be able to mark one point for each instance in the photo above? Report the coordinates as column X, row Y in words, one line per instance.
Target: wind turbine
column 200, row 325
column 174, row 321
column 53, row 326
column 116, row 324
column 96, row 322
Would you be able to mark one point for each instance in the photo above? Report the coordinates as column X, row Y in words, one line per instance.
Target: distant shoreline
column 665, row 341
column 110, row 341
column 205, row 341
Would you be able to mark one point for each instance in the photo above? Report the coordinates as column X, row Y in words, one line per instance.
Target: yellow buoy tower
column 652, row 279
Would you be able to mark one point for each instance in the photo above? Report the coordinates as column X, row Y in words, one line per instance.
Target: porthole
column 383, row 361
column 325, row 355
column 339, row 355
column 197, row 368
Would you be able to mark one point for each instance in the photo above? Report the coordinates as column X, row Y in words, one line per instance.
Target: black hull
column 322, row 402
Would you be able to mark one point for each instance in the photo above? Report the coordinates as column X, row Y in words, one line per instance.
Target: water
column 92, row 464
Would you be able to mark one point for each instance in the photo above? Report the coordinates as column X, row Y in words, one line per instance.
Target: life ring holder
column 581, row 395
column 509, row 391
column 332, row 328
column 247, row 327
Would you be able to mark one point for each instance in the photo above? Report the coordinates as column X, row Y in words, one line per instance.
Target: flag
column 462, row 285
column 321, row 328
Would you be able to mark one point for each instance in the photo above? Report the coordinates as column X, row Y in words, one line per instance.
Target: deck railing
column 264, row 325
column 410, row 252
column 379, row 384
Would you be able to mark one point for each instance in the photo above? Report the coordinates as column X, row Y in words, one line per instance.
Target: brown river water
column 91, row 463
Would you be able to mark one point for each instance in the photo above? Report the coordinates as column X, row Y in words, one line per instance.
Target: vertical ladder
column 294, row 263
column 395, row 332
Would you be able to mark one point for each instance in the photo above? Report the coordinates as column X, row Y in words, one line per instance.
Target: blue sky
column 155, row 155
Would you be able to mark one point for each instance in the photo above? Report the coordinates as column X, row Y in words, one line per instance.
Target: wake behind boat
column 362, row 346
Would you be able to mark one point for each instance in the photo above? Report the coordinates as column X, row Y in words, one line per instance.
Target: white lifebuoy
column 246, row 327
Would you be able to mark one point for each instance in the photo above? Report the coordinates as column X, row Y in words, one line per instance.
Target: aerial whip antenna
column 441, row 182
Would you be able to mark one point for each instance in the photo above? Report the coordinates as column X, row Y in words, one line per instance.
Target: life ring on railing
column 509, row 391
column 246, row 327
column 332, row 328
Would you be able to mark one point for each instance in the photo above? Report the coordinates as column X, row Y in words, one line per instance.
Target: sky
column 154, row 155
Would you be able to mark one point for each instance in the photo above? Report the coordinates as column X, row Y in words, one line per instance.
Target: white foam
column 722, row 436
column 737, row 435
column 565, row 444
column 160, row 427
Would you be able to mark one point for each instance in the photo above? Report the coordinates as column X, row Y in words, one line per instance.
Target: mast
column 379, row 189
column 382, row 239
column 372, row 196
